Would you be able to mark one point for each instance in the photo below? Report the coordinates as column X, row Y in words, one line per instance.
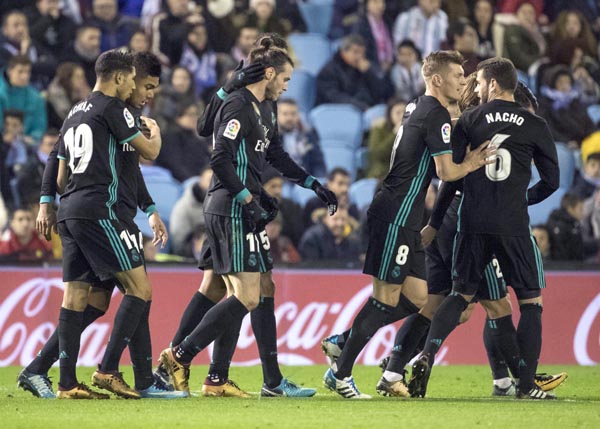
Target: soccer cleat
column 229, row 389
column 420, row 377
column 346, row 388
column 548, row 382
column 38, row 385
column 505, row 391
column 162, row 378
column 287, row 388
column 157, row 391
column 179, row 373
column 535, row 393
column 392, row 388
column 80, row 391
column 383, row 363
column 113, row 382
column 330, row 347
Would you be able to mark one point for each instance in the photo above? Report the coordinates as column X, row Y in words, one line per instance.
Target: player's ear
column 119, row 78
column 269, row 73
column 436, row 79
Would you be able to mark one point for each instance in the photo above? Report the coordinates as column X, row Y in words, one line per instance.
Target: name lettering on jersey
column 232, row 129
column 83, row 106
column 410, row 108
column 128, row 148
column 446, row 131
column 504, row 117
column 128, row 118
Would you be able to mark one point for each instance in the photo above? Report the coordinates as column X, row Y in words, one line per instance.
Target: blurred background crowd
column 357, row 67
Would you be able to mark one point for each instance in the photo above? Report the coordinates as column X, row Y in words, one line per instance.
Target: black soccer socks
column 529, row 334
column 224, row 348
column 265, row 331
column 408, row 338
column 140, row 350
column 446, row 319
column 193, row 314
column 70, row 325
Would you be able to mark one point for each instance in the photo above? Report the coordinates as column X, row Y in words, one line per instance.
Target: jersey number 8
column 79, row 142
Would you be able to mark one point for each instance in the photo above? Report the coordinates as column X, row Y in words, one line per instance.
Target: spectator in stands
column 184, row 153
column 374, row 30
column 188, row 215
column 203, row 63
column 349, row 77
column 483, row 18
column 29, row 176
column 222, row 24
column 300, row 142
column 262, row 16
column 289, row 10
column 16, row 92
column 588, row 180
column 463, row 38
column 382, row 136
column 566, row 238
column 567, row 117
column 338, row 181
column 68, row 87
column 116, row 28
column 328, row 240
column 587, row 8
column 245, row 39
column 292, row 222
column 171, row 27
column 512, row 6
column 524, row 42
column 85, row 50
column 542, row 238
column 21, row 242
column 425, row 24
column 571, row 25
column 591, row 220
column 174, row 96
column 139, row 42
column 406, row 73
column 49, row 27
column 282, row 249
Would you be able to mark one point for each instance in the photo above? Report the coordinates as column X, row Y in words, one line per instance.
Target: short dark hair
column 289, row 101
column 84, row 27
column 146, row 64
column 458, row 28
column 593, row 156
column 437, row 62
column 502, row 70
column 113, row 61
column 352, row 40
column 336, row 171
column 18, row 60
column 51, row 132
column 570, row 200
column 270, row 55
column 11, row 13
column 14, row 113
column 278, row 41
column 407, row 43
column 524, row 97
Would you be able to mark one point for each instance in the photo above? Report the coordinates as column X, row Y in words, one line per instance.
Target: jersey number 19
column 79, row 142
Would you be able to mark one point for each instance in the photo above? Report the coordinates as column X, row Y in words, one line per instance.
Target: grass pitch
column 458, row 397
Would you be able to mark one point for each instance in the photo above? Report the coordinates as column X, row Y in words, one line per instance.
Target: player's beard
column 485, row 95
column 270, row 91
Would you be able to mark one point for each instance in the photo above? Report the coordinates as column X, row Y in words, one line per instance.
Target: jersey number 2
column 79, row 142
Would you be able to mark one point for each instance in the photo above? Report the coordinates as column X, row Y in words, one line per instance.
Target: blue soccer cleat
column 38, row 385
column 158, row 391
column 287, row 388
column 346, row 388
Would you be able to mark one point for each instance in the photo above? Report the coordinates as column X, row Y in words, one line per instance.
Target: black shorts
column 438, row 258
column 96, row 249
column 393, row 252
column 205, row 258
column 235, row 248
column 519, row 257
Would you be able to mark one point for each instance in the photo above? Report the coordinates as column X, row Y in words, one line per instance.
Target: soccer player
column 95, row 244
column 212, row 288
column 232, row 214
column 132, row 193
column 395, row 255
column 493, row 218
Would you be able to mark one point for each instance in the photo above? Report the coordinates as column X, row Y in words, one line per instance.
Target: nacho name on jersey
column 504, row 117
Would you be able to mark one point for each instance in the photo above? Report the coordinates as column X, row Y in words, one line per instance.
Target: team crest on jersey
column 396, row 272
column 128, row 118
column 232, row 129
column 446, row 131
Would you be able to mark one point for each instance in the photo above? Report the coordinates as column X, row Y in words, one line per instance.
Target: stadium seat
column 165, row 193
column 317, row 15
column 566, row 162
column 361, row 192
column 301, row 195
column 338, row 125
column 312, row 51
column 188, row 183
column 594, row 113
column 372, row 114
column 539, row 213
column 302, row 88
column 523, row 77
column 340, row 157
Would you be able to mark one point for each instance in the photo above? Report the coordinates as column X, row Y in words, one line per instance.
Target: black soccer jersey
column 495, row 197
column 425, row 133
column 92, row 135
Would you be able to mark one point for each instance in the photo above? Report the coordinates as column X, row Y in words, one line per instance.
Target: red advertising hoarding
column 309, row 306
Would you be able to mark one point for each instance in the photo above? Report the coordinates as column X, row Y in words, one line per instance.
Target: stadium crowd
column 373, row 51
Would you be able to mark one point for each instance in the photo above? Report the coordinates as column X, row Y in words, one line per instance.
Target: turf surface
column 458, row 397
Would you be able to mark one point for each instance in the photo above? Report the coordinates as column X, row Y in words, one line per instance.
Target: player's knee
column 250, row 302
column 74, row 301
column 466, row 315
column 100, row 299
column 267, row 285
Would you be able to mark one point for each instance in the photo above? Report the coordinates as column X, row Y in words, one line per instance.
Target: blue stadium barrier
column 361, row 192
column 317, row 15
column 311, row 50
column 302, row 88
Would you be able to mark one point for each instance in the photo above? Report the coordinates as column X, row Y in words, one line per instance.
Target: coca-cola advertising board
column 309, row 306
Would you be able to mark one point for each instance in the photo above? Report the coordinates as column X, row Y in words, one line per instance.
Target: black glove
column 258, row 215
column 327, row 196
column 243, row 76
column 270, row 205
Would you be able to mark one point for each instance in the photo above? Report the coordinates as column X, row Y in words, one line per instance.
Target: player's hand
column 243, row 76
column 427, row 235
column 152, row 126
column 161, row 236
column 46, row 220
column 327, row 196
column 271, row 206
column 145, row 130
column 258, row 215
column 484, row 154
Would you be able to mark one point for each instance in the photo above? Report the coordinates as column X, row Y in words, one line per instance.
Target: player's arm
column 46, row 218
column 546, row 161
column 445, row 196
column 63, row 176
column 146, row 204
column 148, row 148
